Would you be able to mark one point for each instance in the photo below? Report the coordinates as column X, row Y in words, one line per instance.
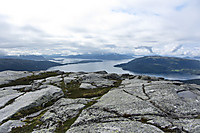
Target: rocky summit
column 96, row 102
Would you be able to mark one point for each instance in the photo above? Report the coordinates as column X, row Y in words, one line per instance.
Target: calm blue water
column 108, row 66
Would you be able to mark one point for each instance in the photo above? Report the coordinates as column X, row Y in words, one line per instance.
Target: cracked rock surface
column 97, row 102
column 7, row 76
column 30, row 100
column 63, row 110
column 137, row 103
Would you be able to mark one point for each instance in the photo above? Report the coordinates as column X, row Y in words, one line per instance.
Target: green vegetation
column 66, row 125
column 62, row 128
column 75, row 92
column 9, row 102
column 32, row 110
column 30, row 124
column 162, row 65
column 71, row 90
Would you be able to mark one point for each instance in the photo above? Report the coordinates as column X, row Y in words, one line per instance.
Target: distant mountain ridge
column 31, row 65
column 109, row 56
column 162, row 65
column 25, row 57
column 25, row 65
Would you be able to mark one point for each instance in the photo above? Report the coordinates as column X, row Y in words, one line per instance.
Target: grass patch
column 30, row 125
column 75, row 92
column 27, row 80
column 95, row 92
column 71, row 90
column 198, row 117
column 63, row 87
column 66, row 125
column 25, row 112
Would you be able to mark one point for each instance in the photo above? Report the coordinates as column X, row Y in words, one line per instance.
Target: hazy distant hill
column 162, row 65
column 192, row 81
column 25, row 65
column 25, row 57
column 30, row 65
column 102, row 56
column 109, row 56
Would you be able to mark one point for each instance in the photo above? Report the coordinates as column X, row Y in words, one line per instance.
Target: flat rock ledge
column 99, row 102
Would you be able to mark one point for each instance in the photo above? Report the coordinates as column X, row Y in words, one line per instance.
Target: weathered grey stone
column 36, row 84
column 163, row 122
column 7, row 91
column 189, row 125
column 115, row 126
column 112, row 76
column 31, row 99
column 6, row 98
column 7, row 127
column 7, row 76
column 63, row 110
column 48, row 81
column 129, row 83
column 87, row 86
column 140, row 104
column 144, row 77
column 101, row 72
column 95, row 114
column 68, row 79
column 127, row 76
column 156, row 102
column 18, row 87
column 97, row 80
column 165, row 96
column 124, row 103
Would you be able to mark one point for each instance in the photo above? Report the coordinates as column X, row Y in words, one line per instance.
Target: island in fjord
column 162, row 65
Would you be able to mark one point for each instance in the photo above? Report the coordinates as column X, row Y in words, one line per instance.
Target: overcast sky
column 164, row 27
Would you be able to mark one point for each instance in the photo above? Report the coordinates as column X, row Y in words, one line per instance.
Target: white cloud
column 86, row 26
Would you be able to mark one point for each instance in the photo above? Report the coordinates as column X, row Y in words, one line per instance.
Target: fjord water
column 108, row 65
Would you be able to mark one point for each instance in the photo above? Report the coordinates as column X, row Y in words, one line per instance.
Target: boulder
column 112, row 76
column 7, row 76
column 6, row 127
column 5, row 99
column 87, row 86
column 97, row 80
column 30, row 100
column 63, row 110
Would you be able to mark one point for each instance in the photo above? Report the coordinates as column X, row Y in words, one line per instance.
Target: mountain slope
column 162, row 65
